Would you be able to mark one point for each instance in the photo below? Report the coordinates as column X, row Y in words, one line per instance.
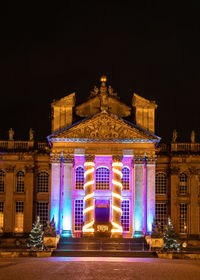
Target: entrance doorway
column 102, row 210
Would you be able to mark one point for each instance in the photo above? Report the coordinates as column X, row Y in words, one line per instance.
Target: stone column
column 193, row 214
column 116, row 197
column 139, row 196
column 150, row 194
column 174, row 211
column 55, row 191
column 28, row 203
column 9, row 205
column 88, row 212
column 67, row 196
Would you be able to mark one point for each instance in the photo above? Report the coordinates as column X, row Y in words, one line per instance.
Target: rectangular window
column 78, row 214
column 19, row 216
column 43, row 212
column 1, row 215
column 183, row 217
column 125, row 218
column 161, row 214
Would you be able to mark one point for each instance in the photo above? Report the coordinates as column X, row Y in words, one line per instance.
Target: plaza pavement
column 100, row 268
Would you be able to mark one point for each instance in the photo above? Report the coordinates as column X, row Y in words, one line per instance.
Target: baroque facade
column 103, row 169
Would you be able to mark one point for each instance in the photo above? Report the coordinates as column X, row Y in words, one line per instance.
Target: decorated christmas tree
column 170, row 237
column 35, row 239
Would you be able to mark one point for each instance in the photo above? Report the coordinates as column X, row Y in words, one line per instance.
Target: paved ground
column 98, row 269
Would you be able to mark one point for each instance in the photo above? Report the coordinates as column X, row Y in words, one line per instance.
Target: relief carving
column 105, row 127
column 10, row 168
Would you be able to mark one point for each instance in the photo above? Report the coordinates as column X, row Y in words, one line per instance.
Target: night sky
column 49, row 51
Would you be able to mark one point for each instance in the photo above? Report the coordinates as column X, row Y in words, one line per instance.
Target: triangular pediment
column 105, row 126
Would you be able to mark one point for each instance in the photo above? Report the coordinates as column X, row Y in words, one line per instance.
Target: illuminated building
column 103, row 168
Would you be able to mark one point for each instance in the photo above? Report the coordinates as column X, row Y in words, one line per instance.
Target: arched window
column 183, row 183
column 102, row 178
column 2, row 177
column 20, row 181
column 126, row 178
column 43, row 182
column 79, row 178
column 161, row 183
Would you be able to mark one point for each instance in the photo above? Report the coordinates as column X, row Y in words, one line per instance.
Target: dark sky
column 49, row 51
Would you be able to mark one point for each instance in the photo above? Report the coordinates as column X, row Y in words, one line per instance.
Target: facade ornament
column 174, row 136
column 31, row 134
column 67, row 158
column 193, row 170
column 117, row 158
column 192, row 137
column 174, row 170
column 11, row 134
column 89, row 158
column 29, row 168
column 10, row 168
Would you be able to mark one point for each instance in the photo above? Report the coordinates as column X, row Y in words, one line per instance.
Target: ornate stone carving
column 193, row 170
column 117, row 158
column 29, row 168
column 10, row 168
column 105, row 126
column 89, row 157
column 67, row 158
column 174, row 170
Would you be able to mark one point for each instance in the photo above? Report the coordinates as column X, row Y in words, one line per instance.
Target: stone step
column 125, row 254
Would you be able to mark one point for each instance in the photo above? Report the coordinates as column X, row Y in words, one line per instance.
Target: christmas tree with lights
column 170, row 237
column 35, row 240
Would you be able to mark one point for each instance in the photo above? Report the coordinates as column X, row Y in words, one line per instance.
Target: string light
column 89, row 163
column 117, row 164
column 117, row 196
column 88, row 209
column 119, row 228
column 117, row 209
column 117, row 183
column 88, row 172
column 118, row 172
column 88, row 196
column 86, row 227
column 88, row 183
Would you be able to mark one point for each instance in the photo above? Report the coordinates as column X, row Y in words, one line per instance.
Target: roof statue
column 11, row 134
column 174, row 136
column 192, row 136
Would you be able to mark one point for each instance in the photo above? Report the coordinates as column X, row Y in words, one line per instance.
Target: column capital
column 67, row 158
column 174, row 170
column 89, row 158
column 117, row 158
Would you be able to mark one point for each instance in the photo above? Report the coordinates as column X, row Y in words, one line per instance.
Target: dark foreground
column 97, row 268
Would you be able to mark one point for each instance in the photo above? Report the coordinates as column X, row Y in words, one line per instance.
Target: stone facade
column 76, row 178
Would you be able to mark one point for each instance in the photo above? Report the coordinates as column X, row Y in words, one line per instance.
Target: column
column 193, row 214
column 67, row 196
column 150, row 194
column 88, row 212
column 139, row 196
column 174, row 211
column 28, row 203
column 116, row 197
column 55, row 191
column 9, row 205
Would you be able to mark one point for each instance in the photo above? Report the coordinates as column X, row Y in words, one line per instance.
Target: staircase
column 108, row 247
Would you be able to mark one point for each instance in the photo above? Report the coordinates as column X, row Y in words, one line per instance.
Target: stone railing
column 22, row 145
column 178, row 147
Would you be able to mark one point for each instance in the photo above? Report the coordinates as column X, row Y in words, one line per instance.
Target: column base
column 138, row 234
column 66, row 233
column 88, row 234
column 116, row 235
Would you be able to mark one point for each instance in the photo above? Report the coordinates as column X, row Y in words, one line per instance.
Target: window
column 20, row 181
column 161, row 183
column 42, row 182
column 183, row 184
column 42, row 212
column 2, row 177
column 161, row 214
column 1, row 215
column 183, row 218
column 102, row 178
column 78, row 214
column 126, row 178
column 125, row 218
column 79, row 178
column 19, row 216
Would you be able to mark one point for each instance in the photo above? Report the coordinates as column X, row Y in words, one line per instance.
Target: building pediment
column 104, row 126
